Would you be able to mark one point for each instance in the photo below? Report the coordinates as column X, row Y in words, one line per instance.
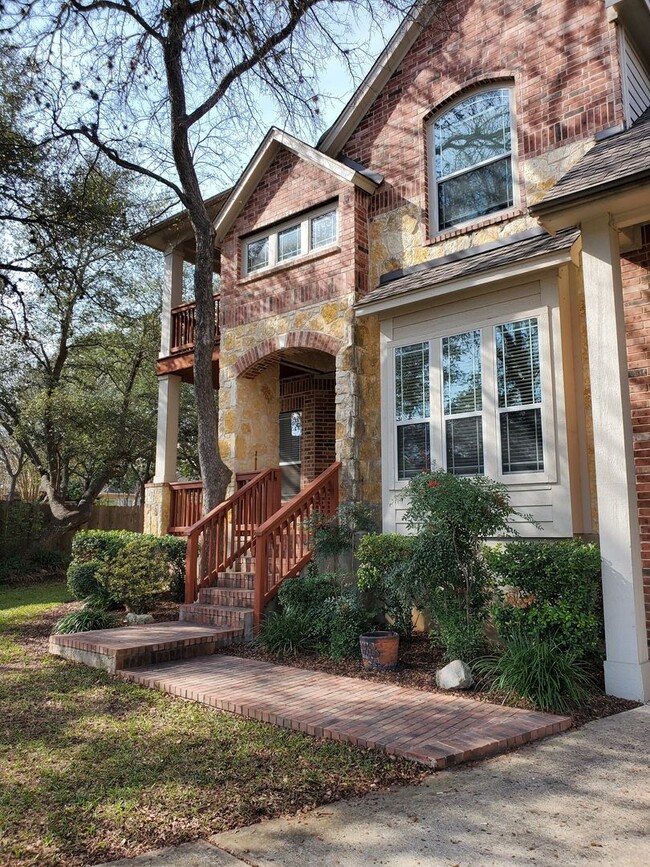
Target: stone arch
column 268, row 352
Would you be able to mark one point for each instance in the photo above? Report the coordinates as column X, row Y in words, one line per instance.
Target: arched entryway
column 286, row 408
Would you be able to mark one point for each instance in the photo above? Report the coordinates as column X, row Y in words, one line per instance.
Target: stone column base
column 157, row 508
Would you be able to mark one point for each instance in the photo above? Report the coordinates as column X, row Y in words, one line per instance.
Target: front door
column 290, row 442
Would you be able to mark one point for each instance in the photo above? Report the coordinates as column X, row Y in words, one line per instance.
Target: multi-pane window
column 463, row 403
column 412, row 409
column 323, row 229
column 257, row 254
column 289, row 243
column 477, row 408
column 313, row 232
column 520, row 396
column 472, row 159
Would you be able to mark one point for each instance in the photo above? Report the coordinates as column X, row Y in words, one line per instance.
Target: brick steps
column 133, row 646
column 222, row 615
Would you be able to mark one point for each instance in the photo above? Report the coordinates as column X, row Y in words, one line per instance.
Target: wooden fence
column 22, row 523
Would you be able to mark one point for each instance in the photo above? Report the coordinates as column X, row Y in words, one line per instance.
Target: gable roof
column 531, row 250
column 620, row 160
column 275, row 139
column 383, row 68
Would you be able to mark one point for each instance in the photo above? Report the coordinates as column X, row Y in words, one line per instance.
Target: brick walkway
column 437, row 730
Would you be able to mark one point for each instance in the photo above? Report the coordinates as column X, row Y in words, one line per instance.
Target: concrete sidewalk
column 580, row 798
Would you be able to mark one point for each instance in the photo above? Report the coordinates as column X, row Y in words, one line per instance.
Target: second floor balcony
column 182, row 338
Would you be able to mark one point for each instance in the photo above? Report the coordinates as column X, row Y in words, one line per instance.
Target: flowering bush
column 448, row 576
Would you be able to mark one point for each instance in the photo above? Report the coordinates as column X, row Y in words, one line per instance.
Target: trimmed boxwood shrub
column 137, row 574
column 550, row 590
column 82, row 578
column 104, row 546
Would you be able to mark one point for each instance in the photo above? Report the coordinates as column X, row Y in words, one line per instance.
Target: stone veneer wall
column 562, row 58
column 248, row 408
column 635, row 272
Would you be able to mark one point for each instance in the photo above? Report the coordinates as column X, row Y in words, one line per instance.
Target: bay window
column 473, row 402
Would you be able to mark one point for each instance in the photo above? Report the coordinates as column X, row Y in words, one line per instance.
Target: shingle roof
column 614, row 162
column 497, row 254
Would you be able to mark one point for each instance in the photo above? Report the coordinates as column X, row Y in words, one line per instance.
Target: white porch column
column 169, row 393
column 172, row 296
column 627, row 670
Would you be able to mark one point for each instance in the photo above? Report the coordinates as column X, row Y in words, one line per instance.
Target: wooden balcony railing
column 184, row 326
column 228, row 532
column 283, row 544
column 186, row 506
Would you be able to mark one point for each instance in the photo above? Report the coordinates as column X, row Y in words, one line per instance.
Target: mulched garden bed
column 417, row 666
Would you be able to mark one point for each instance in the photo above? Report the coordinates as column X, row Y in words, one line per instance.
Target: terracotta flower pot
column 379, row 650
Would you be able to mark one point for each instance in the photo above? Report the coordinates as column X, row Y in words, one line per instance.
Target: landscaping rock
column 456, row 675
column 138, row 619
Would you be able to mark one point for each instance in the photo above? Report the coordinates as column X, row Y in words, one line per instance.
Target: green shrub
column 447, row 576
column 539, row 670
column 334, row 534
column 137, row 574
column 285, row 632
column 382, row 558
column 319, row 612
column 83, row 621
column 340, row 622
column 101, row 545
column 106, row 545
column 306, row 592
column 551, row 589
column 175, row 548
column 82, row 578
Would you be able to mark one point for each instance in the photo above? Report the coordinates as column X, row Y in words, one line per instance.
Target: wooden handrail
column 215, row 541
column 283, row 544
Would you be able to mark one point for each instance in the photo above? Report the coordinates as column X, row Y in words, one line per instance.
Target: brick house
column 457, row 273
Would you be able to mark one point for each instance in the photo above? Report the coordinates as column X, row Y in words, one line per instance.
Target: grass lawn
column 93, row 769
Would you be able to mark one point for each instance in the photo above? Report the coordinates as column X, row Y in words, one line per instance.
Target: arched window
column 471, row 147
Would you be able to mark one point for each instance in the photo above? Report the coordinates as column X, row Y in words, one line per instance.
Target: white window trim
column 431, row 154
column 304, row 221
column 490, row 411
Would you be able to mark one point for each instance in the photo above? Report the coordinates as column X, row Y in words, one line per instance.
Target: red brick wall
column 561, row 54
column 291, row 185
column 635, row 270
column 314, row 397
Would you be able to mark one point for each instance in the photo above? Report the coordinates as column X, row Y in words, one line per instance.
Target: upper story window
column 290, row 240
column 471, row 159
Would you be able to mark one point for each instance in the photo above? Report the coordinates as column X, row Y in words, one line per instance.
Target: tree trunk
column 214, row 472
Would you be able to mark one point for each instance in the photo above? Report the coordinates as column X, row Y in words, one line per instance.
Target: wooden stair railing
column 215, row 541
column 283, row 545
column 186, row 507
